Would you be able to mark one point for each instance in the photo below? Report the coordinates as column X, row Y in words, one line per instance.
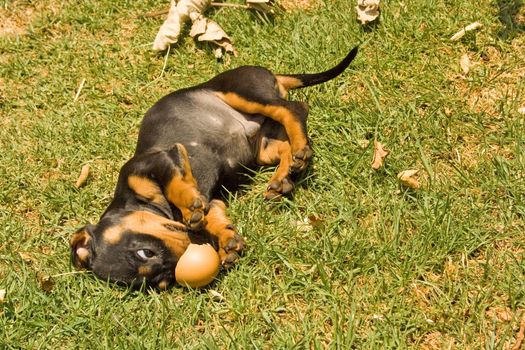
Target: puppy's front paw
column 278, row 188
column 231, row 245
column 195, row 217
column 301, row 158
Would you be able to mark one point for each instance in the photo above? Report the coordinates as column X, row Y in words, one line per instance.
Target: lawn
column 354, row 259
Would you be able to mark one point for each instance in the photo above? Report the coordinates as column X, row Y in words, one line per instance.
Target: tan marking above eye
column 154, row 225
column 146, row 188
column 113, row 234
column 144, row 222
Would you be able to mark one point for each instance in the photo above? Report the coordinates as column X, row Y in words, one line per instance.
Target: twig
column 213, row 4
column 79, row 90
column 165, row 62
column 521, row 334
column 225, row 4
column 154, row 13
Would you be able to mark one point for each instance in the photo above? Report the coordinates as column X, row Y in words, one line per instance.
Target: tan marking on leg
column 183, row 193
column 277, row 151
column 220, row 226
column 280, row 114
column 146, row 188
column 188, row 174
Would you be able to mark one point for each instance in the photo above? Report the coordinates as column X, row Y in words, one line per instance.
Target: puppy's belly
column 225, row 131
column 220, row 140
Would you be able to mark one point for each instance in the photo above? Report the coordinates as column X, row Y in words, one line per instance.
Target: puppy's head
column 131, row 247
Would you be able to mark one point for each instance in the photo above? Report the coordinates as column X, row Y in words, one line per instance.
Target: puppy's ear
column 81, row 252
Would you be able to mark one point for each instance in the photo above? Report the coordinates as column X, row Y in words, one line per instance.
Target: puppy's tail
column 296, row 81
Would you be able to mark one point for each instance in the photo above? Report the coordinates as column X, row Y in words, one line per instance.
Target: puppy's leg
column 255, row 90
column 274, row 152
column 182, row 192
column 290, row 114
column 219, row 225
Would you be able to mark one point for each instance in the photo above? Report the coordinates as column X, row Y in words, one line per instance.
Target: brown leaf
column 520, row 335
column 501, row 313
column 26, row 257
column 407, row 179
column 380, row 154
column 367, row 10
column 2, row 295
column 46, row 283
column 465, row 64
column 82, row 178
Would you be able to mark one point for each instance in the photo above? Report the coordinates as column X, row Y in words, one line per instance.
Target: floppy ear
column 81, row 251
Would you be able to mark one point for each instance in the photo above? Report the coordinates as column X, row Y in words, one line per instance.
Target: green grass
column 377, row 266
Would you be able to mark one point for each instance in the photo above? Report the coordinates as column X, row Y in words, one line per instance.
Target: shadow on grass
column 509, row 16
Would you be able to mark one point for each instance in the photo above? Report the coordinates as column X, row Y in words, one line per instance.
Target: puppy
column 191, row 143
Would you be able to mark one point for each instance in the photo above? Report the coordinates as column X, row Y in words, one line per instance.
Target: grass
column 354, row 260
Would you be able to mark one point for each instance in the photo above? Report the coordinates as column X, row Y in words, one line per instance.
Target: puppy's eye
column 145, row 254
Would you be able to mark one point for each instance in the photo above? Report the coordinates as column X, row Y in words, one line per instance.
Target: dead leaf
column 465, row 64
column 407, row 179
column 520, row 335
column 303, row 225
column 82, row 178
column 46, row 283
column 380, row 154
column 501, row 313
column 216, row 296
column 26, row 257
column 521, row 110
column 180, row 12
column 2, row 295
column 363, row 143
column 462, row 32
column 205, row 29
column 316, row 222
column 367, row 10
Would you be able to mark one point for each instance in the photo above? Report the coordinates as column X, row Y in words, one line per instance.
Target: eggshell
column 198, row 266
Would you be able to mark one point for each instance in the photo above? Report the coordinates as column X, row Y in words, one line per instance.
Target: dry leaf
column 303, row 225
column 26, row 257
column 82, row 178
column 216, row 296
column 462, row 32
column 363, row 143
column 2, row 295
column 46, row 283
column 367, row 10
column 202, row 28
column 380, row 154
column 520, row 335
column 316, row 221
column 465, row 64
column 501, row 313
column 521, row 110
column 205, row 29
column 407, row 179
column 178, row 14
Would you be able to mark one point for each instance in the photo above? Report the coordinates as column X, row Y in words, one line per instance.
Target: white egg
column 198, row 266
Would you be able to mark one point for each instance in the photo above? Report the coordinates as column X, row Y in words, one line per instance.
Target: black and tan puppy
column 191, row 143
